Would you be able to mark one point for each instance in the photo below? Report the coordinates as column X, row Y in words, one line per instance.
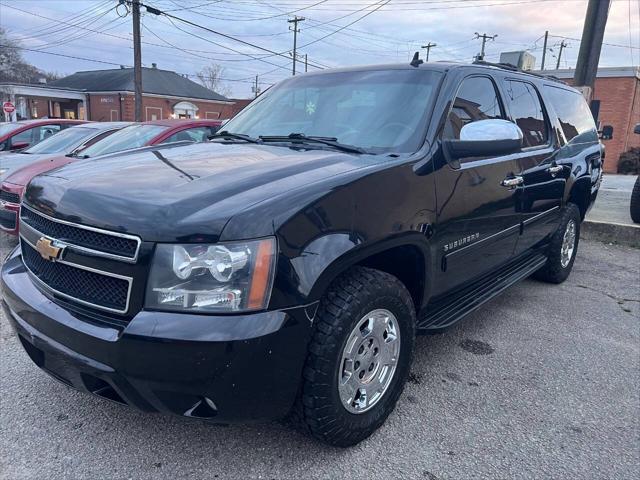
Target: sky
column 334, row 33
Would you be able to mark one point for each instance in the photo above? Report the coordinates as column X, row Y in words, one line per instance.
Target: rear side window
column 477, row 99
column 526, row 110
column 574, row 115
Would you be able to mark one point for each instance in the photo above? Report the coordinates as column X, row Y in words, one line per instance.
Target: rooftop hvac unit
column 523, row 60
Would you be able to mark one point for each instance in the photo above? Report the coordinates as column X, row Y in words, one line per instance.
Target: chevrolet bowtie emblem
column 48, row 250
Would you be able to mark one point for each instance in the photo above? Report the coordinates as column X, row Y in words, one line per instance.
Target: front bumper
column 221, row 368
column 10, row 211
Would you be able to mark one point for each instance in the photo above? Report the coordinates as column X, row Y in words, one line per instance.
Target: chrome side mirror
column 491, row 137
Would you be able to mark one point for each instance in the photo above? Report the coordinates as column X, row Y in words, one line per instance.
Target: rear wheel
column 359, row 356
column 562, row 247
column 634, row 208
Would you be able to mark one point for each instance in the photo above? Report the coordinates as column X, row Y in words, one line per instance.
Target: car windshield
column 133, row 136
column 8, row 128
column 378, row 110
column 63, row 142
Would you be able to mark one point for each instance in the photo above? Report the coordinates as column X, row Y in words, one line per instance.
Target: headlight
column 228, row 277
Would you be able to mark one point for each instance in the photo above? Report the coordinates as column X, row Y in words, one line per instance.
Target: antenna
column 416, row 61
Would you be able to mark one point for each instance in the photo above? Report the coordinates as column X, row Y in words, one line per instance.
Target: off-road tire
column 553, row 271
column 352, row 296
column 634, row 207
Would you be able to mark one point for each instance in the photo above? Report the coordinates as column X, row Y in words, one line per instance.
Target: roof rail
column 504, row 66
column 513, row 68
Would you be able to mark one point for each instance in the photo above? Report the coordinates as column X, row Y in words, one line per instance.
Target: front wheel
column 359, row 356
column 562, row 247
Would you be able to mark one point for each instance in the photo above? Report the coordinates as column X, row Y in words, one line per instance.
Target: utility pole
column 295, row 30
column 256, row 88
column 484, row 38
column 544, row 48
column 591, row 43
column 306, row 63
column 428, row 47
column 137, row 60
column 562, row 45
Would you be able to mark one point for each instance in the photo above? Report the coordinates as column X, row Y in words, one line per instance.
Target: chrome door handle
column 554, row 170
column 512, row 182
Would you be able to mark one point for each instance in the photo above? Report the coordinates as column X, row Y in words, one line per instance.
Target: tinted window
column 526, row 110
column 380, row 110
column 477, row 100
column 199, row 134
column 574, row 115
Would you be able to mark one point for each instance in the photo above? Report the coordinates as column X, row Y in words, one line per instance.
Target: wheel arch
column 580, row 194
column 406, row 257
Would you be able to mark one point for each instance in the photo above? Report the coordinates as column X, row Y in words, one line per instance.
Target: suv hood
column 184, row 193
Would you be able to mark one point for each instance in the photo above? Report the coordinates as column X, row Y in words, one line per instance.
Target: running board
column 444, row 313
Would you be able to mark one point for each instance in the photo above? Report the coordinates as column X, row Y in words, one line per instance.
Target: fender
column 581, row 188
column 328, row 256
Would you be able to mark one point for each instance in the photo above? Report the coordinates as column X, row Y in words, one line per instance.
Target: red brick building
column 166, row 94
column 108, row 95
column 618, row 91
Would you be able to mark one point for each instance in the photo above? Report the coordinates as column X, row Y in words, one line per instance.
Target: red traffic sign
column 8, row 107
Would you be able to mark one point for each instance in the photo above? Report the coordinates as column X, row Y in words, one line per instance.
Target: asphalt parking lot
column 542, row 382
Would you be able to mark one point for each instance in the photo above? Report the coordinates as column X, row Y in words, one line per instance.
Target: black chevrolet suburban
column 284, row 268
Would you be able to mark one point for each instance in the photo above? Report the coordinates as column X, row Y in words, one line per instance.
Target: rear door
column 544, row 178
column 477, row 216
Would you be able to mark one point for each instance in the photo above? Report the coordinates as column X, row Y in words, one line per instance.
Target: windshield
column 381, row 111
column 63, row 142
column 8, row 128
column 133, row 136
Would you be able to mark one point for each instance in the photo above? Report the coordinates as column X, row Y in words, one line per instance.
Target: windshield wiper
column 234, row 136
column 75, row 155
column 302, row 138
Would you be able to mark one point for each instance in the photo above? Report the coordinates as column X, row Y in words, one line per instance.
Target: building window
column 153, row 113
column 185, row 110
column 212, row 115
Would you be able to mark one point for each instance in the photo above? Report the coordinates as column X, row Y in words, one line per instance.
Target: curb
column 619, row 233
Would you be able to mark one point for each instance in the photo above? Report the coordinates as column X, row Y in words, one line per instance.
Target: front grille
column 8, row 219
column 85, row 286
column 9, row 197
column 112, row 244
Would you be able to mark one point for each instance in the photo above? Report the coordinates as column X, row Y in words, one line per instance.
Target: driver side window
column 477, row 99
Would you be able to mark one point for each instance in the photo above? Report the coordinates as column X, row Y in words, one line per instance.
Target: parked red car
column 19, row 135
column 134, row 136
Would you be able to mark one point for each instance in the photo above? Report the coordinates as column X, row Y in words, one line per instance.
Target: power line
column 159, row 12
column 104, row 62
column 348, row 24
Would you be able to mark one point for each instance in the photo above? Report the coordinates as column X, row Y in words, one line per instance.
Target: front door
column 478, row 221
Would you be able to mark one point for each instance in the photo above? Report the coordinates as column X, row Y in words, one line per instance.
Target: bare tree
column 210, row 77
column 13, row 67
